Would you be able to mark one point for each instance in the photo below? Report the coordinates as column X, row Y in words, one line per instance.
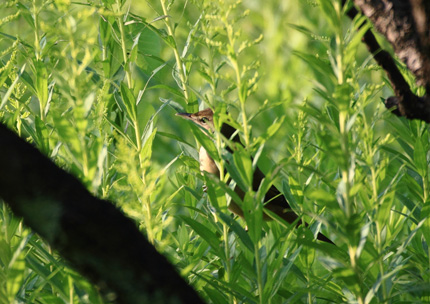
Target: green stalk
column 179, row 63
column 36, row 31
column 232, row 299
column 149, row 230
column 378, row 233
column 242, row 99
column 128, row 77
column 259, row 274
column 345, row 171
column 380, row 262
column 339, row 53
column 123, row 46
column 343, row 118
column 138, row 139
column 37, row 50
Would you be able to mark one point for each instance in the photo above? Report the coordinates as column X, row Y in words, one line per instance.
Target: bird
column 276, row 202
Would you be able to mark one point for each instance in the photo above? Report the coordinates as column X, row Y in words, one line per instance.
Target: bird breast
column 207, row 163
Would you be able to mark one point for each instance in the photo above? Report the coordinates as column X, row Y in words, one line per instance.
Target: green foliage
column 93, row 85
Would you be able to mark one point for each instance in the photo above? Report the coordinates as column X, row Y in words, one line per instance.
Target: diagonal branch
column 394, row 20
column 91, row 233
column 421, row 17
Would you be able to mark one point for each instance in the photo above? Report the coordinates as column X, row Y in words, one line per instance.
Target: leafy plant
column 93, row 85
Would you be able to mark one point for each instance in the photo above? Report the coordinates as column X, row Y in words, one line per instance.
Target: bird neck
column 230, row 133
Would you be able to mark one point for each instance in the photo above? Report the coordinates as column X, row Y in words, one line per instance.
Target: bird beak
column 184, row 115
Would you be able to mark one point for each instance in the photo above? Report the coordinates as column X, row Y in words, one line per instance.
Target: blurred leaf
column 205, row 141
column 215, row 193
column 328, row 8
column 420, row 158
column 384, row 209
column 147, row 145
column 237, row 229
column 243, row 165
column 15, row 276
column 353, row 228
column 41, row 74
column 348, row 276
column 41, row 136
column 69, row 137
column 206, row 234
column 118, row 129
column 10, row 89
column 425, row 215
column 129, row 102
column 253, row 214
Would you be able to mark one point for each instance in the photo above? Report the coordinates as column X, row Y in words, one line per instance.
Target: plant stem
column 179, row 63
column 36, row 31
column 259, row 274
column 242, row 98
column 123, row 46
column 148, row 226
column 138, row 138
column 227, row 262
column 345, row 170
column 339, row 50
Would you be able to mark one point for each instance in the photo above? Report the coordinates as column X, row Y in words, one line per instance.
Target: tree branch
column 91, row 233
column 393, row 18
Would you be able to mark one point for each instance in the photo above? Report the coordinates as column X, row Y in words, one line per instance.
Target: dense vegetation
column 95, row 86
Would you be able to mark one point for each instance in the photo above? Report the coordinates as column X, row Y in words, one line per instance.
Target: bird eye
column 203, row 120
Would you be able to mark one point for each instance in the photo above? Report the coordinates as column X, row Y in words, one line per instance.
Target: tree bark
column 405, row 25
column 97, row 239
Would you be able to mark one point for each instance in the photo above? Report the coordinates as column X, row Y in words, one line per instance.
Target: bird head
column 202, row 118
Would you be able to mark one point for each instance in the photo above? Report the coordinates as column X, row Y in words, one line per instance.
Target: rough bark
column 92, row 234
column 405, row 25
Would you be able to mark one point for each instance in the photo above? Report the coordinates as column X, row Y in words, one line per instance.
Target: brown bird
column 276, row 202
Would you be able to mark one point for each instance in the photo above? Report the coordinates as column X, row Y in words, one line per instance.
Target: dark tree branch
column 421, row 16
column 384, row 59
column 394, row 20
column 91, row 233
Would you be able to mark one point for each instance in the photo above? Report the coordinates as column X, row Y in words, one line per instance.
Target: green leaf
column 420, row 158
column 330, row 12
column 384, row 210
column 54, row 281
column 42, row 137
column 147, row 145
column 349, row 277
column 234, row 173
column 253, row 214
column 238, row 230
column 69, row 136
column 119, row 130
column 320, row 67
column 205, row 141
column 174, row 137
column 209, row 236
column 323, row 197
column 216, row 194
column 129, row 102
column 162, row 87
column 296, row 189
column 41, row 83
column 10, row 89
column 15, row 276
column 275, row 281
column 425, row 215
column 234, row 196
column 353, row 228
column 288, row 194
column 243, row 165
column 5, row 73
